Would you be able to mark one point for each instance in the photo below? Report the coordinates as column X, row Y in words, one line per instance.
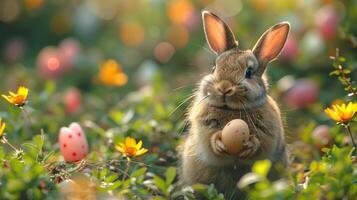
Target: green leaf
column 170, row 175
column 199, row 187
column 158, row 198
column 139, row 172
column 103, row 173
column 111, row 178
column 346, row 71
column 117, row 116
column 261, row 167
column 249, row 179
column 335, row 72
column 48, row 155
column 114, row 186
column 160, row 183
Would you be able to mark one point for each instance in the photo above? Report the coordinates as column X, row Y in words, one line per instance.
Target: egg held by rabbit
column 234, row 134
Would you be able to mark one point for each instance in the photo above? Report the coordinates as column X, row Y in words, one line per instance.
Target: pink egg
column 72, row 100
column 322, row 137
column 326, row 20
column 302, row 94
column 49, row 63
column 291, row 48
column 73, row 143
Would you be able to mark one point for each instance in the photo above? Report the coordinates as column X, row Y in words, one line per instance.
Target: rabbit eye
column 249, row 72
column 213, row 69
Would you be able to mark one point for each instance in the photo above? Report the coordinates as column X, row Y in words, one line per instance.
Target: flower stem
column 27, row 115
column 349, row 131
column 4, row 140
column 127, row 169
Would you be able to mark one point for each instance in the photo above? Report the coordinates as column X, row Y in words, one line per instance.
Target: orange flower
column 2, row 127
column 130, row 148
column 110, row 74
column 18, row 99
column 342, row 113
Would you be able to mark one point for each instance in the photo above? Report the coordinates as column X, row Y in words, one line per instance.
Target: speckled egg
column 234, row 134
column 73, row 143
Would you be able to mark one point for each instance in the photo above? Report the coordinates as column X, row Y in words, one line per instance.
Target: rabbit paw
column 217, row 144
column 250, row 147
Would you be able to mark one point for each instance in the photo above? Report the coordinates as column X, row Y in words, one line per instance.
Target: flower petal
column 2, row 128
column 141, row 152
column 138, row 146
column 332, row 115
column 120, row 149
column 7, row 98
column 130, row 142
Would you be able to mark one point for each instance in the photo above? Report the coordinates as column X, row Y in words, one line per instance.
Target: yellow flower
column 130, row 148
column 110, row 74
column 342, row 113
column 18, row 99
column 2, row 127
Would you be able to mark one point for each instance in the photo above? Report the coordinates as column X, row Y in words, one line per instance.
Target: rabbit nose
column 225, row 88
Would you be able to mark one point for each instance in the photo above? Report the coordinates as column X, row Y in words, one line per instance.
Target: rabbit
column 237, row 87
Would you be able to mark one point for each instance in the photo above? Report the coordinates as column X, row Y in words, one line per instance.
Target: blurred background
column 80, row 59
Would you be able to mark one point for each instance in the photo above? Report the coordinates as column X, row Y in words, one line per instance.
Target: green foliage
column 332, row 177
column 25, row 176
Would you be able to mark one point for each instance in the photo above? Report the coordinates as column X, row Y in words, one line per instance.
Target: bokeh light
column 179, row 11
column 9, row 10
column 33, row 4
column 177, row 35
column 164, row 51
column 132, row 34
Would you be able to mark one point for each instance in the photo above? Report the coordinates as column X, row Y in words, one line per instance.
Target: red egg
column 72, row 100
column 302, row 94
column 73, row 143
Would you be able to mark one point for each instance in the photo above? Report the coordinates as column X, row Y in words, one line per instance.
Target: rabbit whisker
column 249, row 118
column 183, row 102
column 183, row 127
column 203, row 98
column 181, row 87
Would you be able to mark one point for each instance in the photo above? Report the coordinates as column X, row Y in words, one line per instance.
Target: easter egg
column 72, row 99
column 322, row 137
column 73, row 143
column 49, row 63
column 234, row 134
column 304, row 93
column 326, row 20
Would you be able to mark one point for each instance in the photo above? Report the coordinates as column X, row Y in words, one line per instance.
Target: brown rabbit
column 236, row 88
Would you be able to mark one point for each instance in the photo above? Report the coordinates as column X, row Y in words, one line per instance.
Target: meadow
column 94, row 96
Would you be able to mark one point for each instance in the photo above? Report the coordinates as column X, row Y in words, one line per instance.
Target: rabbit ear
column 270, row 44
column 219, row 36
